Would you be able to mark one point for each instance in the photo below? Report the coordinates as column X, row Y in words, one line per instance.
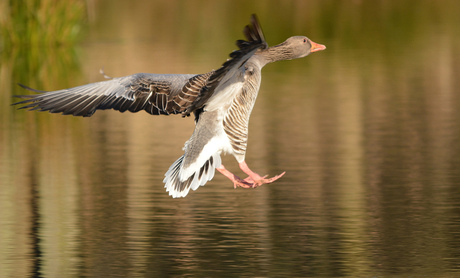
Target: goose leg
column 254, row 178
column 237, row 181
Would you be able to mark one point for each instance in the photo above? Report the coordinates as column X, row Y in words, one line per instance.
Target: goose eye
column 304, row 40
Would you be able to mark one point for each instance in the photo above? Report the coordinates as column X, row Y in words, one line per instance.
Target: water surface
column 368, row 132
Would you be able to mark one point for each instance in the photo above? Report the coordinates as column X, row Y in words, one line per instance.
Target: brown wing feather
column 156, row 94
column 191, row 90
column 254, row 40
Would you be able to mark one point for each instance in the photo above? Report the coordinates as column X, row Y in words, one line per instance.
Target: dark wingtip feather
column 29, row 98
column 31, row 89
column 22, row 102
column 253, row 31
column 254, row 40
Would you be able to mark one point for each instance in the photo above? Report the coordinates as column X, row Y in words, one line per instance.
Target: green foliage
column 41, row 22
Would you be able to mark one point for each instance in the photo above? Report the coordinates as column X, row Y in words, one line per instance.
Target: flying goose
column 221, row 101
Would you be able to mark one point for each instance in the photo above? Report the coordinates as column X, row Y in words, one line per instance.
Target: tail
column 178, row 186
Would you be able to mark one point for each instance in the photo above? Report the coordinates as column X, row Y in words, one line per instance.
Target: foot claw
column 251, row 183
column 242, row 183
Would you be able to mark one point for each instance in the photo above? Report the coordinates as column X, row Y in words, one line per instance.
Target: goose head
column 302, row 46
column 292, row 48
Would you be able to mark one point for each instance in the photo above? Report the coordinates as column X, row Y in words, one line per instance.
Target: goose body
column 221, row 100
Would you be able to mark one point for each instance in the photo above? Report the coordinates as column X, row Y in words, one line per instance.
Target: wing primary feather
column 254, row 41
column 30, row 89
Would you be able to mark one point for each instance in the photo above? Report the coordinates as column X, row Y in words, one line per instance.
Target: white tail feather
column 179, row 186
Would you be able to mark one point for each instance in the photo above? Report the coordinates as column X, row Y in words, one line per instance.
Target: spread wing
column 158, row 94
column 255, row 40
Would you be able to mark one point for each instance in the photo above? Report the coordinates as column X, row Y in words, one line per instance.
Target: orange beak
column 316, row 47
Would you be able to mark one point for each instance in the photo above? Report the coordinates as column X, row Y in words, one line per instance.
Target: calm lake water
column 367, row 131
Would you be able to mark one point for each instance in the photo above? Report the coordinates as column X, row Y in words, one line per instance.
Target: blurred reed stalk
column 41, row 22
